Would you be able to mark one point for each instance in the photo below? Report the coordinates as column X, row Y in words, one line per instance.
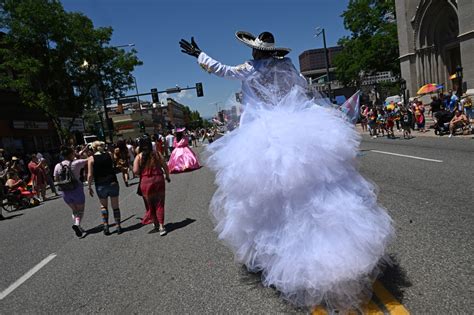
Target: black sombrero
column 264, row 41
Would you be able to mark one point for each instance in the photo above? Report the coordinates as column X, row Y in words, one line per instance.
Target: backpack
column 67, row 181
column 406, row 118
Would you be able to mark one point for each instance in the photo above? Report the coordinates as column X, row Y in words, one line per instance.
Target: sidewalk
column 415, row 133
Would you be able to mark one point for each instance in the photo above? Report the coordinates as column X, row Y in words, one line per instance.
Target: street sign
column 31, row 125
column 127, row 100
column 379, row 77
column 76, row 124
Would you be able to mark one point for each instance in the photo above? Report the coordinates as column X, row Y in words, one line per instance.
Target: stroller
column 443, row 117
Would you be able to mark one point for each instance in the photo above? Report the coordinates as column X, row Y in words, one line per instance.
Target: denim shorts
column 107, row 190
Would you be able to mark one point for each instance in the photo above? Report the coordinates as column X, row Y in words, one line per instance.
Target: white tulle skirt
column 291, row 204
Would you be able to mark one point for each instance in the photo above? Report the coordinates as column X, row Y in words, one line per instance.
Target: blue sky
column 156, row 26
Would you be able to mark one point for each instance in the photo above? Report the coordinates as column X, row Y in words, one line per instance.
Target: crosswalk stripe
column 389, row 302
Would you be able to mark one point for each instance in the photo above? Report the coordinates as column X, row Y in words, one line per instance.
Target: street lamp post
column 138, row 97
column 459, row 77
column 319, row 31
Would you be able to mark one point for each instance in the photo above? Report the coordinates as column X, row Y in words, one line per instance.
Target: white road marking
column 26, row 276
column 407, row 156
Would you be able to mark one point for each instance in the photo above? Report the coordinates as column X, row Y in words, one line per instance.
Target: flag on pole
column 351, row 107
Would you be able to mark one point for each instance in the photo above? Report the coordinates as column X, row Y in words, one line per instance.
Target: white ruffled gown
column 290, row 201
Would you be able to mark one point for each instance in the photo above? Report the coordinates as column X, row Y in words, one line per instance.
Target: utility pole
column 138, row 97
column 320, row 31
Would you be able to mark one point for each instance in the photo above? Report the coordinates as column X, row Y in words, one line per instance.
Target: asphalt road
column 189, row 271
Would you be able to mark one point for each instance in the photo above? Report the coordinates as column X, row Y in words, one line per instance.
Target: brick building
column 313, row 62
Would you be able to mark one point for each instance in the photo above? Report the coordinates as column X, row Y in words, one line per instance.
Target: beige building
column 435, row 36
column 172, row 113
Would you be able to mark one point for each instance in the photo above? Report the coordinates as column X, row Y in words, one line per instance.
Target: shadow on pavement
column 11, row 217
column 253, row 279
column 178, row 225
column 187, row 171
column 395, row 279
column 99, row 228
column 134, row 227
column 51, row 198
column 94, row 230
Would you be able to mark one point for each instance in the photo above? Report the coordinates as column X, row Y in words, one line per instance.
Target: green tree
column 373, row 43
column 54, row 59
column 192, row 119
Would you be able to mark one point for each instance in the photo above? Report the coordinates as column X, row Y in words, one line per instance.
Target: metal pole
column 106, row 112
column 138, row 96
column 326, row 53
column 459, row 91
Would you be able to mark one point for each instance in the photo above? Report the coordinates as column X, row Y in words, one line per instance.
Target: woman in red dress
column 150, row 166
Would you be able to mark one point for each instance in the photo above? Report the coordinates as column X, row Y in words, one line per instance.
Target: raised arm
column 239, row 72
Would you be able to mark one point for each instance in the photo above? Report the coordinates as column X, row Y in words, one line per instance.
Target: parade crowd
column 24, row 179
column 450, row 114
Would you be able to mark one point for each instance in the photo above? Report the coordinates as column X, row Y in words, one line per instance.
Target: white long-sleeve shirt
column 264, row 81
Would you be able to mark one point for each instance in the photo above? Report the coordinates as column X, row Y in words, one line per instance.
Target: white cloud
column 186, row 94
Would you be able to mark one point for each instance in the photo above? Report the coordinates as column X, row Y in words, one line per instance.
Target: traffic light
column 199, row 90
column 141, row 125
column 154, row 96
column 238, row 97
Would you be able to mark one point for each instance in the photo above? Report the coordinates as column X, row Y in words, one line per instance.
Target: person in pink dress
column 182, row 158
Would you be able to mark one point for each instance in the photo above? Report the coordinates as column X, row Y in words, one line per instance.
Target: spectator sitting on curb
column 459, row 121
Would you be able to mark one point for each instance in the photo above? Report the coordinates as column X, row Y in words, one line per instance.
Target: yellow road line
column 386, row 298
column 319, row 310
column 372, row 309
column 391, row 304
column 369, row 309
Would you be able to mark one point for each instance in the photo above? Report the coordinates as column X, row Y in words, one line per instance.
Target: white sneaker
column 163, row 232
column 450, row 135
